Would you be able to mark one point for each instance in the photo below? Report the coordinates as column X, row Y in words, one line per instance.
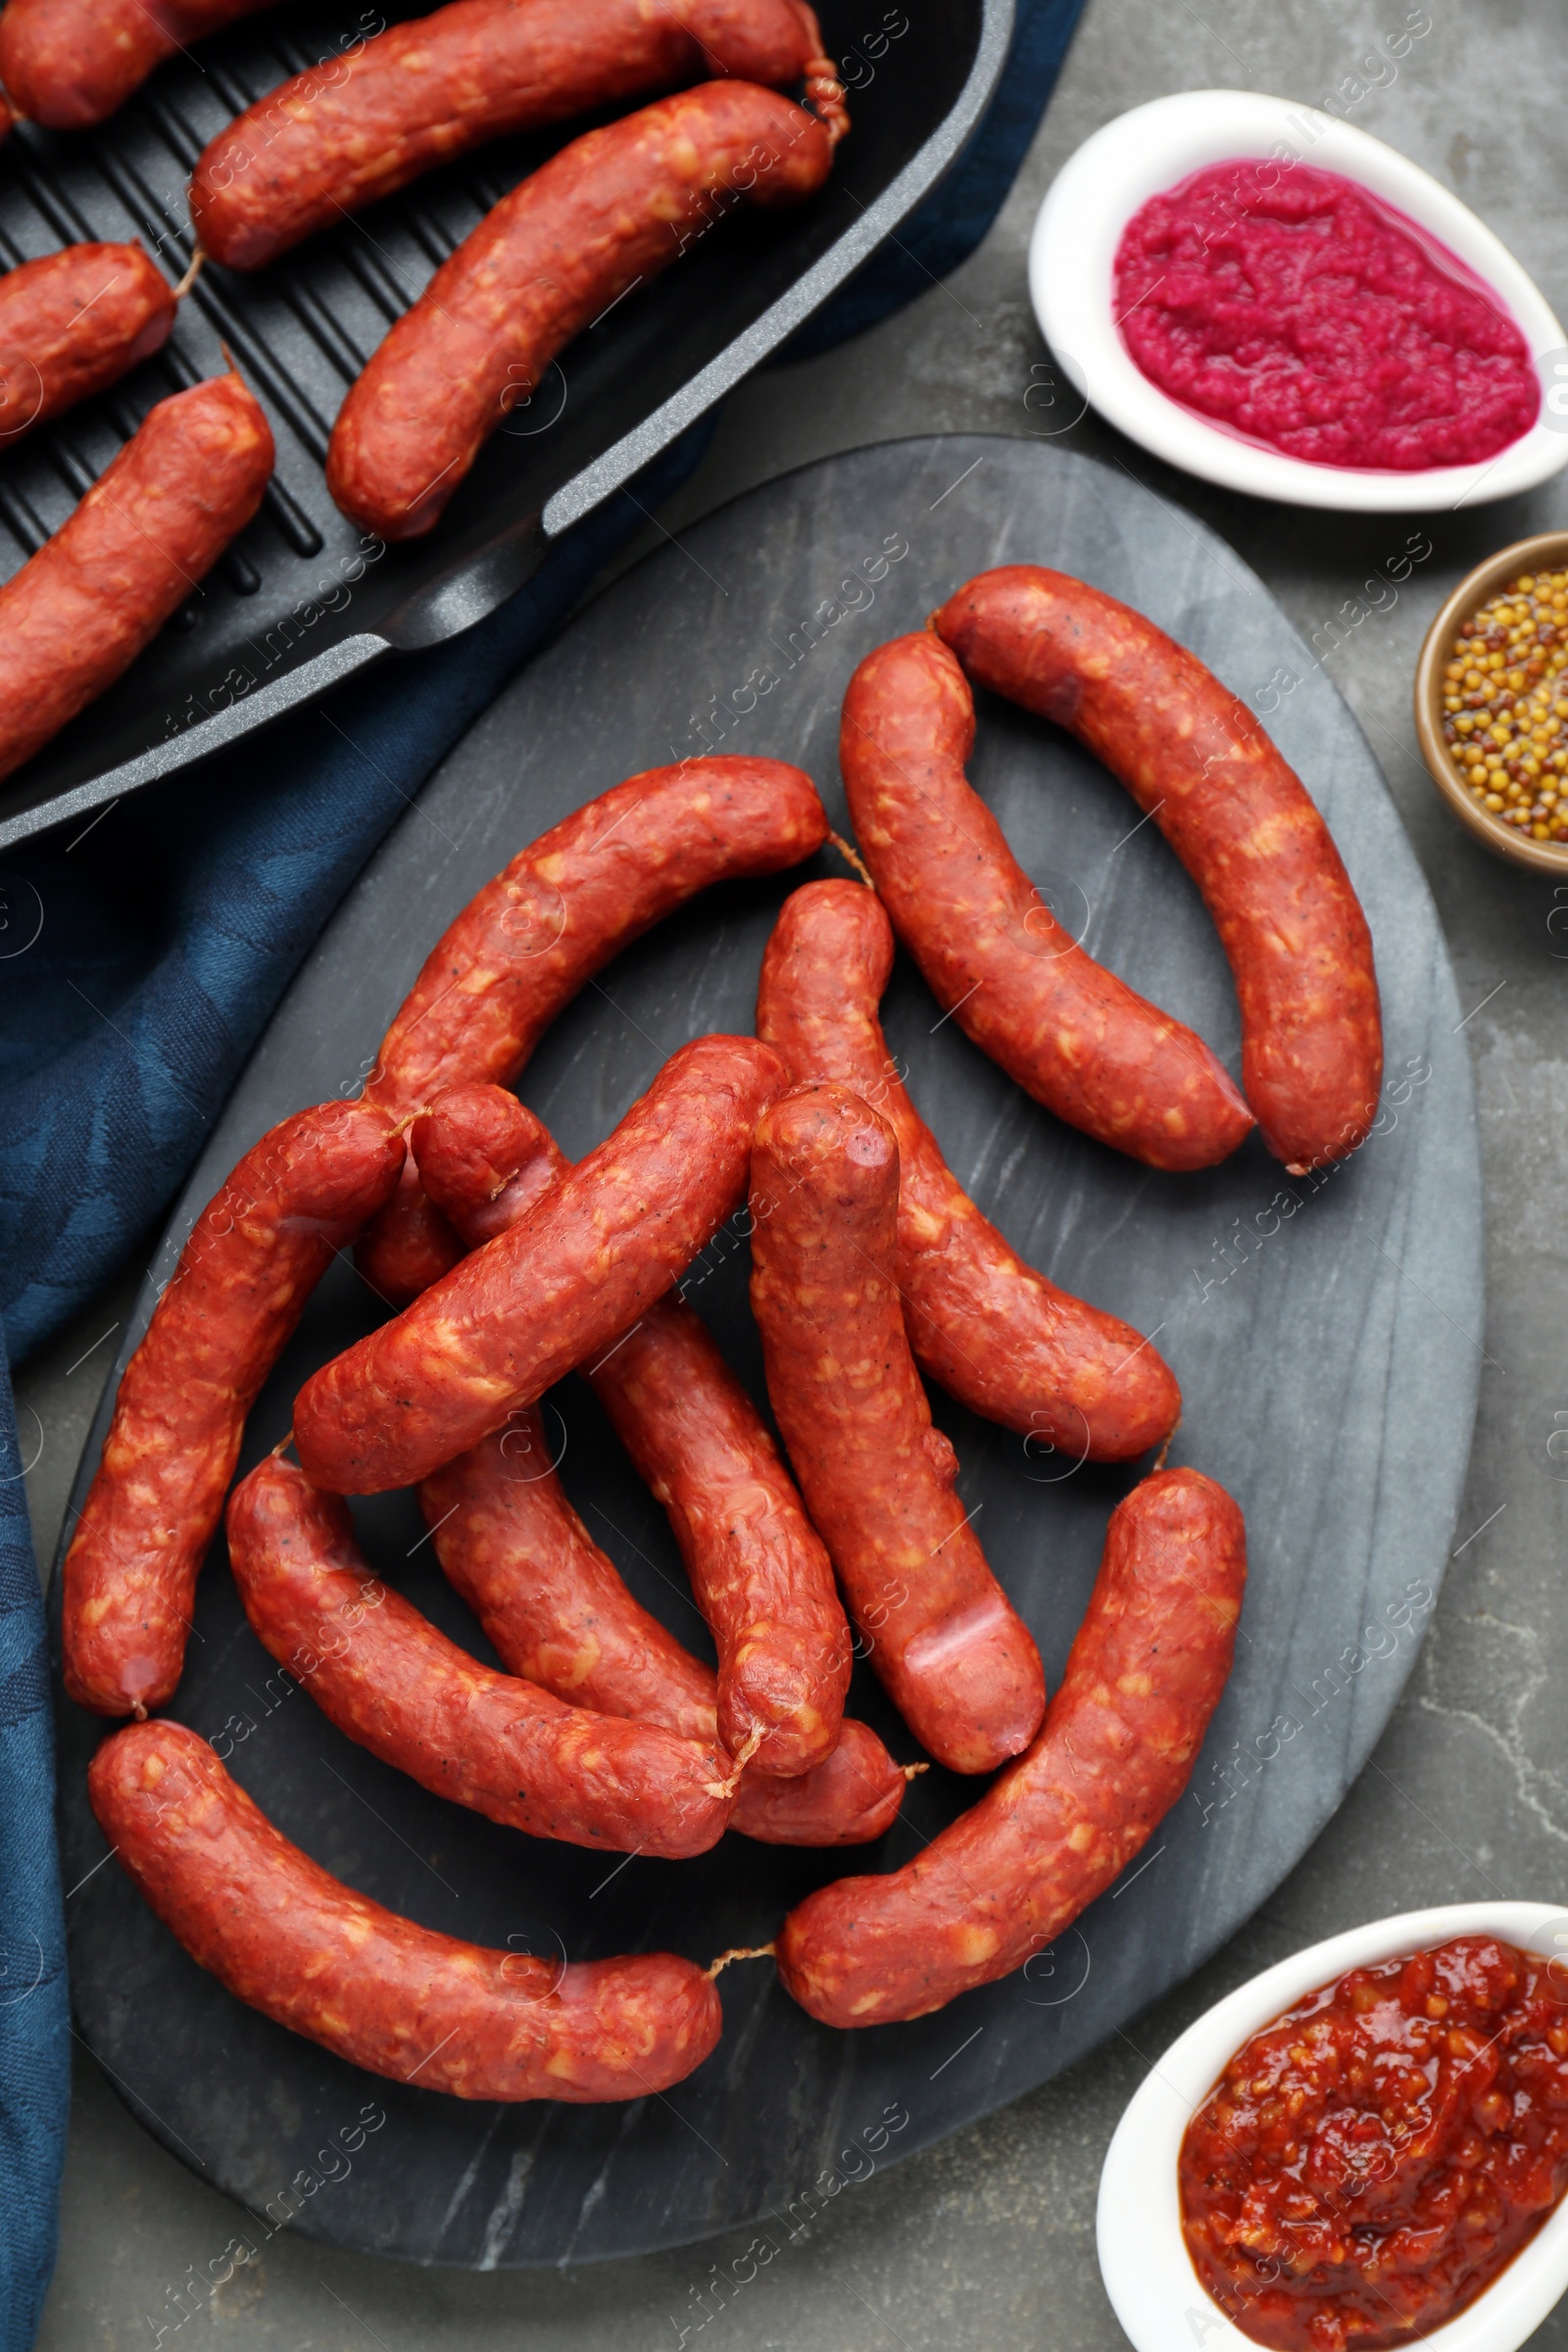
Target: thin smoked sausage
column 1072, row 1034
column 759, row 1568
column 585, row 1262
column 531, row 938
column 1239, row 819
column 285, row 1936
column 384, row 1675
column 70, row 63
column 153, row 524
column 877, row 1477
column 74, row 323
column 255, row 1253
column 483, row 1159
column 612, row 210
column 555, row 1609
column 358, row 127
column 1143, row 1679
column 997, row 1334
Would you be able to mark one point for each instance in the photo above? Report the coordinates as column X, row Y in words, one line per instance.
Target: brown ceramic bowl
column 1547, row 551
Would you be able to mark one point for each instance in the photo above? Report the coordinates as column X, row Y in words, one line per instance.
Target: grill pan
column 303, row 598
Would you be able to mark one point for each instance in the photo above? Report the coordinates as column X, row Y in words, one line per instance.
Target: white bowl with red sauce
column 1150, row 2275
column 1150, row 153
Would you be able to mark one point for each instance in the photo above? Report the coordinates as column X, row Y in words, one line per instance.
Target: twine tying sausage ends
column 741, row 1951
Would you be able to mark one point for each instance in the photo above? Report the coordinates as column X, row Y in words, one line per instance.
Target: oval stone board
column 1325, row 1330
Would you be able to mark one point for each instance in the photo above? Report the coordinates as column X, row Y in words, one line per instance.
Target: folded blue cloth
column 137, row 967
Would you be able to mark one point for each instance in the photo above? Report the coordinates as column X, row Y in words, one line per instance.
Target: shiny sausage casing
column 254, row 1256
column 158, row 518
column 70, row 63
column 760, row 1570
column 520, row 1313
column 1144, row 1677
column 1072, row 1034
column 612, row 209
column 359, row 126
column 388, row 1677
column 998, row 1336
column 877, row 1477
column 1239, row 819
column 281, row 1933
column 72, row 322
column 555, row 1608
column 531, row 938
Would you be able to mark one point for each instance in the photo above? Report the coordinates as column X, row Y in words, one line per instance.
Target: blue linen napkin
column 138, row 963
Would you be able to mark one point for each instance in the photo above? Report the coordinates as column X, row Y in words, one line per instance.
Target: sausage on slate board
column 538, row 932
column 956, row 1658
column 1002, row 1882
column 281, row 1933
column 757, row 1567
column 998, row 1336
column 255, row 1253
column 1074, row 1036
column 384, row 1675
column 510, row 1320
column 1238, row 816
column 555, row 1609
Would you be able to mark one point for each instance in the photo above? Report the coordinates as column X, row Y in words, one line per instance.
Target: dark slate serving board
column 1326, row 1335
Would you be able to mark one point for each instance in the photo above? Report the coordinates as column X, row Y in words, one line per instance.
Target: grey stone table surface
column 987, row 2240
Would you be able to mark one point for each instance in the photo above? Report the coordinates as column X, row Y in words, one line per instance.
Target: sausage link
column 997, row 1334
column 531, row 938
column 613, row 208
column 484, row 1160
column 537, row 933
column 384, row 1675
column 407, row 1245
column 555, row 1609
column 255, row 1254
column 1072, row 1034
column 157, row 519
column 285, row 1936
column 850, row 1800
column 70, row 63
column 956, row 1658
column 414, row 1241
column 72, row 322
column 759, row 1568
column 514, row 1318
column 552, row 1607
column 760, row 1571
column 1239, row 819
column 341, row 136
column 1143, row 1679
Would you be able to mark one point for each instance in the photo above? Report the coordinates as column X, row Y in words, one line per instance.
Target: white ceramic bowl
column 1143, row 2259
column 1071, row 267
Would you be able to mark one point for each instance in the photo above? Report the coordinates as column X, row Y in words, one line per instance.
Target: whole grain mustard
column 1505, row 705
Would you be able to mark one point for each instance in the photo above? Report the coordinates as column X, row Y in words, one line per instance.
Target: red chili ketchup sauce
column 1370, row 2162
column 1295, row 309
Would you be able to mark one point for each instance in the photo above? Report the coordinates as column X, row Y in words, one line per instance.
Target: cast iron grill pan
column 303, row 598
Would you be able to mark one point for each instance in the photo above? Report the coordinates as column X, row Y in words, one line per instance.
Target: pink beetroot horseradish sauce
column 1293, row 308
